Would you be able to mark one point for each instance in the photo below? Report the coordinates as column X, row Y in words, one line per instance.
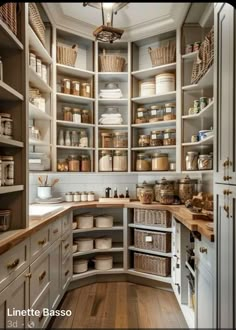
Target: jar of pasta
column 65, row 86
column 156, row 138
column 75, row 87
column 85, row 90
column 170, row 111
column 62, row 165
column 143, row 162
column 67, row 114
column 141, row 116
column 120, row 139
column 144, row 140
column 169, row 137
column 155, row 113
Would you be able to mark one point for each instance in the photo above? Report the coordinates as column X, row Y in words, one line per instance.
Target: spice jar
column 156, row 138
column 170, row 111
column 120, row 139
column 142, row 186
column 120, row 161
column 166, row 197
column 85, row 116
column 169, row 137
column 67, row 114
column 85, row 90
column 105, row 161
column 106, row 140
column 77, row 197
column 91, row 196
column 143, row 162
column 73, row 163
column 69, row 197
column 7, row 170
column 83, row 142
column 62, row 165
column 5, row 217
column 141, row 115
column 160, row 162
column 186, row 189
column 76, row 115
column 65, row 86
column 85, row 163
column 191, row 161
column 144, row 140
column 84, row 196
column 75, row 139
column 146, row 195
column 205, row 162
column 75, row 87
column 155, row 113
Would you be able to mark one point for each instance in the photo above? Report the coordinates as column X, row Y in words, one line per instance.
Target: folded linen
column 111, row 115
column 111, row 121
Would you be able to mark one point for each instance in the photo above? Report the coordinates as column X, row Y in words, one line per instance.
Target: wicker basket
column 66, row 54
column 152, row 264
column 36, row 22
column 111, row 62
column 152, row 240
column 163, row 55
column 152, row 217
column 204, row 59
column 8, row 15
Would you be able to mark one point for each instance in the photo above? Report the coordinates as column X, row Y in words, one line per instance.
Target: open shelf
column 113, row 76
column 151, row 72
column 38, row 82
column 8, row 93
column 198, row 172
column 150, row 227
column 163, row 123
column 36, row 113
column 75, row 125
column 207, row 141
column 164, row 279
column 205, row 82
column 74, row 99
column 37, row 47
column 206, row 113
column 11, row 189
column 113, row 249
column 92, row 272
column 190, row 56
column 88, row 230
column 39, row 143
column 113, row 126
column 8, row 38
column 155, row 98
column 122, row 149
column 75, row 72
column 5, row 142
column 74, row 148
column 113, row 101
column 156, row 253
column 153, row 148
column 154, row 172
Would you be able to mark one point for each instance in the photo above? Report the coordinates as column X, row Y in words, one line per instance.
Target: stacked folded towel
column 111, row 119
column 111, row 93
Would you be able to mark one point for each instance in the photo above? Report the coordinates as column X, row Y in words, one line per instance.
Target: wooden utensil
column 55, row 181
column 40, row 181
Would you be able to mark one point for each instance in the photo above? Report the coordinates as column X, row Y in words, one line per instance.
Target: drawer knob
column 67, row 272
column 55, row 231
column 13, row 264
column 67, row 245
column 203, row 249
column 41, row 276
column 28, row 275
column 42, row 242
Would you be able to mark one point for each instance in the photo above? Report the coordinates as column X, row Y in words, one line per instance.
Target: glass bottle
column 67, row 139
column 83, row 139
column 61, row 141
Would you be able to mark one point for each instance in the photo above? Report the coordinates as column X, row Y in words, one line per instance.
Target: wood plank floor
column 120, row 305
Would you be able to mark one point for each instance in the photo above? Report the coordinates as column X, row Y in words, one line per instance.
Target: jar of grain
column 105, row 161
column 156, row 113
column 106, row 139
column 76, row 115
column 62, row 165
column 120, row 161
column 191, row 161
column 144, row 140
column 170, row 111
column 73, row 163
column 65, row 86
column 141, row 186
column 85, row 116
column 143, row 162
column 83, row 142
column 85, row 163
column 160, row 162
column 141, row 116
column 120, row 139
column 205, row 162
column 85, row 90
column 67, row 114
column 75, row 87
column 169, row 137
column 146, row 195
column 156, row 138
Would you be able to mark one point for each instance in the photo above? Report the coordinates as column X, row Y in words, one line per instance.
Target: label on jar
column 168, row 110
column 67, row 84
column 87, row 89
column 77, row 87
column 153, row 136
column 84, row 142
column 153, row 112
column 140, row 114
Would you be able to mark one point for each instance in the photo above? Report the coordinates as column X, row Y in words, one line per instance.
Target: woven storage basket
column 163, row 55
column 152, row 264
column 36, row 22
column 111, row 63
column 66, row 54
column 152, row 240
column 8, row 15
column 152, row 217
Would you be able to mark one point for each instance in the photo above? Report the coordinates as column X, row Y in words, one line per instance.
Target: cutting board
column 197, row 216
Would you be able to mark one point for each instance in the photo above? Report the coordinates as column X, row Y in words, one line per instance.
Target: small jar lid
column 159, row 154
column 76, row 110
column 85, row 111
column 144, row 136
column 77, row 193
column 117, row 133
column 192, row 153
column 66, row 109
column 156, row 107
column 141, row 109
column 105, row 152
column 205, row 156
column 75, row 82
column 119, row 153
column 84, row 193
column 170, row 130
column 73, row 157
column 84, row 157
column 171, row 105
column 91, row 193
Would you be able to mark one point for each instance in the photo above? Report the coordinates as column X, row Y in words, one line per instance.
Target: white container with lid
column 80, row 266
column 165, row 83
column 103, row 243
column 104, row 221
column 76, row 197
column 84, row 197
column 84, row 221
column 147, row 87
column 91, row 196
column 103, row 262
column 84, row 244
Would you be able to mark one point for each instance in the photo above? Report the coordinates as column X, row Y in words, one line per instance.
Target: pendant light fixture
column 106, row 32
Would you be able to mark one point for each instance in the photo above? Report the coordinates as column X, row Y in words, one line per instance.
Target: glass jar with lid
column 191, row 161
column 106, row 140
column 143, row 162
column 62, row 165
column 85, row 163
column 156, row 138
column 85, row 116
column 166, row 197
column 186, row 189
column 141, row 116
column 83, row 142
column 120, row 161
column 8, row 170
column 120, row 139
column 155, row 113
column 164, row 184
column 75, row 87
column 146, row 195
column 105, row 161
column 160, row 162
column 67, row 114
column 75, row 140
column 170, row 111
column 66, row 86
column 205, row 162
column 73, row 163
column 144, row 140
column 141, row 186
column 76, row 115
column 85, row 90
column 169, row 137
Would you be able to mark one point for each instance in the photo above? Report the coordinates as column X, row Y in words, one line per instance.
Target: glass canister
column 144, row 140
column 65, row 86
column 146, row 195
column 142, row 186
column 170, row 111
column 143, row 162
column 155, row 113
column 186, row 189
column 105, row 161
column 156, row 138
column 85, row 116
column 191, row 161
column 85, row 90
column 106, row 139
column 6, row 125
column 85, row 163
column 169, row 137
column 165, row 185
column 120, row 161
column 76, row 115
column 205, row 162
column 83, row 142
column 8, row 165
column 67, row 114
column 5, row 217
column 141, row 116
column 120, row 139
column 75, row 87
column 160, row 162
column 75, row 139
column 73, row 163
column 166, row 197
column 62, row 165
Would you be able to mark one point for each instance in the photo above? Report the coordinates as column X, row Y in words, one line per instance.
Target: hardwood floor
column 120, row 305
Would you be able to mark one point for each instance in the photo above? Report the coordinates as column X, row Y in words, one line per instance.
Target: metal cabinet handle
column 41, row 276
column 13, row 264
column 42, row 242
column 227, row 192
column 226, row 208
column 67, row 245
column 28, row 275
column 55, row 231
column 67, row 272
column 203, row 249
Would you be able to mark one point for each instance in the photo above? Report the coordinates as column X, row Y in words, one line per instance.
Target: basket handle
column 149, row 49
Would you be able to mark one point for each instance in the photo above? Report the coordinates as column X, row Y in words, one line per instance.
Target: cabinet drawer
column 66, row 246
column 66, row 223
column 66, row 272
column 39, row 242
column 40, row 277
column 41, row 321
column 55, row 230
column 13, row 262
column 205, row 254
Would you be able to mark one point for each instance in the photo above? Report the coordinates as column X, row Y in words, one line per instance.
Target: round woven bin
column 111, row 63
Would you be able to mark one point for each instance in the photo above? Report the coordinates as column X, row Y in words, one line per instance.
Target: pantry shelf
column 198, row 172
column 207, row 141
column 206, row 113
column 37, row 47
column 11, row 189
column 113, row 76
column 205, row 82
column 163, row 279
column 92, row 272
column 5, row 142
column 113, row 249
column 113, row 126
column 156, row 253
column 154, row 172
column 38, row 82
column 39, row 143
column 150, row 227
column 36, row 113
column 8, row 93
column 88, row 230
column 74, row 99
column 151, row 72
column 153, row 148
column 73, row 124
column 8, row 38
column 113, row 149
column 170, row 96
column 73, row 71
column 113, row 101
column 191, row 56
column 163, row 123
column 74, row 148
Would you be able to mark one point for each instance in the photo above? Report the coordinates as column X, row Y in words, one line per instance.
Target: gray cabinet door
column 224, row 91
column 55, row 274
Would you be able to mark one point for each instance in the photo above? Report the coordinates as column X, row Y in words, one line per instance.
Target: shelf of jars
column 9, row 142
column 11, row 189
column 205, row 113
column 8, row 39
column 37, row 47
column 7, row 93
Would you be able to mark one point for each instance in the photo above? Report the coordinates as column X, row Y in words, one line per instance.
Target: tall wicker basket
column 8, row 14
column 111, row 62
column 163, row 55
column 36, row 22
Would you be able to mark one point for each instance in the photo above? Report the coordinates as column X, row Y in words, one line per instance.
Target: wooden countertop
column 11, row 238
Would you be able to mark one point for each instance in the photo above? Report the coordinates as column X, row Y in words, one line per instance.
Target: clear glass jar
column 143, row 162
column 170, row 111
column 62, row 165
column 141, row 116
column 169, row 137
column 120, row 139
column 120, row 161
column 166, row 197
column 69, row 197
column 77, row 197
column 85, row 90
column 146, row 195
column 191, row 161
column 105, row 161
column 85, row 116
column 76, row 115
column 144, row 140
column 5, row 218
column 6, row 124
column 85, row 163
column 141, row 186
column 67, row 114
column 156, row 138
column 83, row 142
column 84, row 196
column 73, row 163
column 8, row 165
column 155, row 113
column 75, row 140
column 186, row 189
column 160, row 162
column 65, row 86
column 205, row 162
column 75, row 87
column 106, row 139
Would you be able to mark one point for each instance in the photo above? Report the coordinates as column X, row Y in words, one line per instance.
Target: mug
column 44, row 192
